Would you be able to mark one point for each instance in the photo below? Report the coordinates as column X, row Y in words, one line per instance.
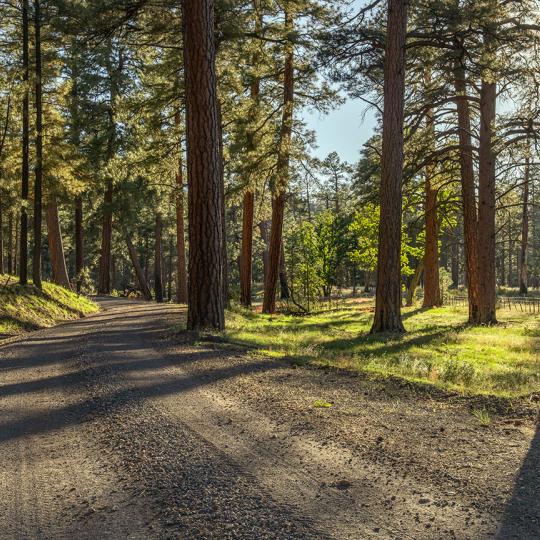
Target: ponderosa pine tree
column 388, row 294
column 205, row 180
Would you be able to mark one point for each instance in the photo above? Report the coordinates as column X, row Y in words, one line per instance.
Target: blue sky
column 343, row 130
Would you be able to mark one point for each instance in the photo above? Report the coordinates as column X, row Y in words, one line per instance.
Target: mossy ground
column 439, row 347
column 27, row 308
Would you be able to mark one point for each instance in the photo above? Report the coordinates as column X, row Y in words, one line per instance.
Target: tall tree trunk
column 38, row 184
column 181, row 273
column 143, row 283
column 523, row 262
column 274, row 254
column 470, row 222
column 486, row 207
column 388, row 295
column 25, row 184
column 282, row 175
column 79, row 242
column 247, row 249
column 104, row 277
column 206, row 307
column 158, row 258
column 56, row 246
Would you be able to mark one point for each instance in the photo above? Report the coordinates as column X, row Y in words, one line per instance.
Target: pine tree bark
column 56, row 246
column 38, row 183
column 79, row 242
column 486, row 207
column 158, row 258
column 524, row 248
column 282, row 175
column 206, row 307
column 25, row 182
column 468, row 197
column 274, row 254
column 139, row 272
column 247, row 249
column 388, row 294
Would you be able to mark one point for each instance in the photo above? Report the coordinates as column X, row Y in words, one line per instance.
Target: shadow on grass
column 395, row 343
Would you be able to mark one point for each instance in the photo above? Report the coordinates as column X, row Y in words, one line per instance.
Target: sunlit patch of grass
column 439, row 347
column 322, row 404
column 482, row 415
column 26, row 308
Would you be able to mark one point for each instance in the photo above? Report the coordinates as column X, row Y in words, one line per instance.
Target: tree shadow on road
column 521, row 518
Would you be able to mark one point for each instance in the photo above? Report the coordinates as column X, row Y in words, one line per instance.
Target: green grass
column 439, row 348
column 26, row 308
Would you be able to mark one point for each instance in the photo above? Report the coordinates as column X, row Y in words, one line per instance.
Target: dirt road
column 112, row 427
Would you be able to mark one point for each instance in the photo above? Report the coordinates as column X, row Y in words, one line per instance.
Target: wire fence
column 517, row 303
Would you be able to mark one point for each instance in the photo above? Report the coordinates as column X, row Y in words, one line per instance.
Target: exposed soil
column 116, row 427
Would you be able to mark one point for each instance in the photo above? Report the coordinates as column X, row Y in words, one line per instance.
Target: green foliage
column 304, row 266
column 365, row 229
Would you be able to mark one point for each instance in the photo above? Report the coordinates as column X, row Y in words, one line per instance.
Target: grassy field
column 26, row 308
column 439, row 348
